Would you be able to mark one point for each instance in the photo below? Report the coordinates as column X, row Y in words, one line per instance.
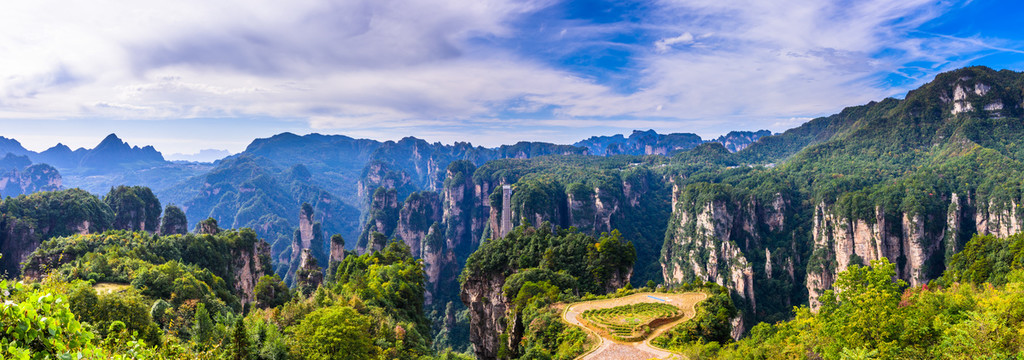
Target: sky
column 187, row 75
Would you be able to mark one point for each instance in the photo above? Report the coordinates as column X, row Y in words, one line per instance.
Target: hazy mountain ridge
column 651, row 143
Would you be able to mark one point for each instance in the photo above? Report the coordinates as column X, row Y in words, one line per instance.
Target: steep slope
column 908, row 180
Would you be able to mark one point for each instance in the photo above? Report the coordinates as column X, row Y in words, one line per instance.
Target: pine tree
column 241, row 341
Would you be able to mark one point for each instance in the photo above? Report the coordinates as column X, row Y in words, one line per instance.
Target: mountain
column 109, row 155
column 11, row 146
column 776, row 221
column 19, row 176
column 651, row 143
column 111, row 163
column 909, row 180
column 204, row 155
column 739, row 140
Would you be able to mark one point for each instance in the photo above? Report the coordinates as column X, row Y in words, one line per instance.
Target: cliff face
column 737, row 241
column 308, row 238
column 703, row 246
column 337, row 251
column 248, row 266
column 487, row 306
column 419, row 211
column 26, row 221
column 917, row 243
column 383, row 218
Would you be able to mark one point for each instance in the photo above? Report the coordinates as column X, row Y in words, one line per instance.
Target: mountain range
column 774, row 218
column 263, row 186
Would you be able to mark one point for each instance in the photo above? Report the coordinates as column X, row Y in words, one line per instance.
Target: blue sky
column 198, row 74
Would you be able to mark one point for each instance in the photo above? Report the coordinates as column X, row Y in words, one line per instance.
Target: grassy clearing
column 106, row 288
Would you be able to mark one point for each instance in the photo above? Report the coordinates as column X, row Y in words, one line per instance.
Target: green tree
column 203, row 327
column 39, row 324
column 863, row 311
column 240, row 341
column 337, row 332
column 271, row 292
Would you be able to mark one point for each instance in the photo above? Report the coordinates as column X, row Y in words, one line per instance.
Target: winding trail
column 611, row 349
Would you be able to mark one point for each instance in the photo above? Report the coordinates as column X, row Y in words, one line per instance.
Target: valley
column 466, row 250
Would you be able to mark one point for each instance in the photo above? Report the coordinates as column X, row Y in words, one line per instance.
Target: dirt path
column 611, row 349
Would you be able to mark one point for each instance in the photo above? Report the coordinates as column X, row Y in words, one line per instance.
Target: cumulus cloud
column 423, row 66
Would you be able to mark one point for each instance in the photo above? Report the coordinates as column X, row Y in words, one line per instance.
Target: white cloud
column 664, row 44
column 389, row 66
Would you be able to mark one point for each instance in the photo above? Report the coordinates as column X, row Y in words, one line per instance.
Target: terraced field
column 639, row 307
column 630, row 322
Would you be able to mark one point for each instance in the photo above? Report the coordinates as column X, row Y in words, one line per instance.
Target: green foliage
column 986, row 258
column 190, row 266
column 591, row 262
column 871, row 316
column 632, row 190
column 173, row 221
column 39, row 216
column 271, row 292
column 545, row 336
column 203, row 327
column 711, row 323
column 240, row 341
column 333, row 333
column 540, row 266
column 308, row 277
column 38, row 324
column 134, row 207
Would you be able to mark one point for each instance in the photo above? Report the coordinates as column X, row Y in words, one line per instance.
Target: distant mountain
column 19, row 176
column 739, row 140
column 336, row 174
column 204, row 155
column 12, row 146
column 651, row 143
column 111, row 154
column 111, row 163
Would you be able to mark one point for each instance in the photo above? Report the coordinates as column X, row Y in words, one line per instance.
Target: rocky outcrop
column 309, row 275
column 337, row 252
column 618, row 279
column 308, row 236
column 703, row 246
column 917, row 243
column 487, row 307
column 739, row 140
column 383, row 217
column 173, row 221
column 135, row 208
column 248, row 266
column 27, row 221
column 419, row 211
column 718, row 234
